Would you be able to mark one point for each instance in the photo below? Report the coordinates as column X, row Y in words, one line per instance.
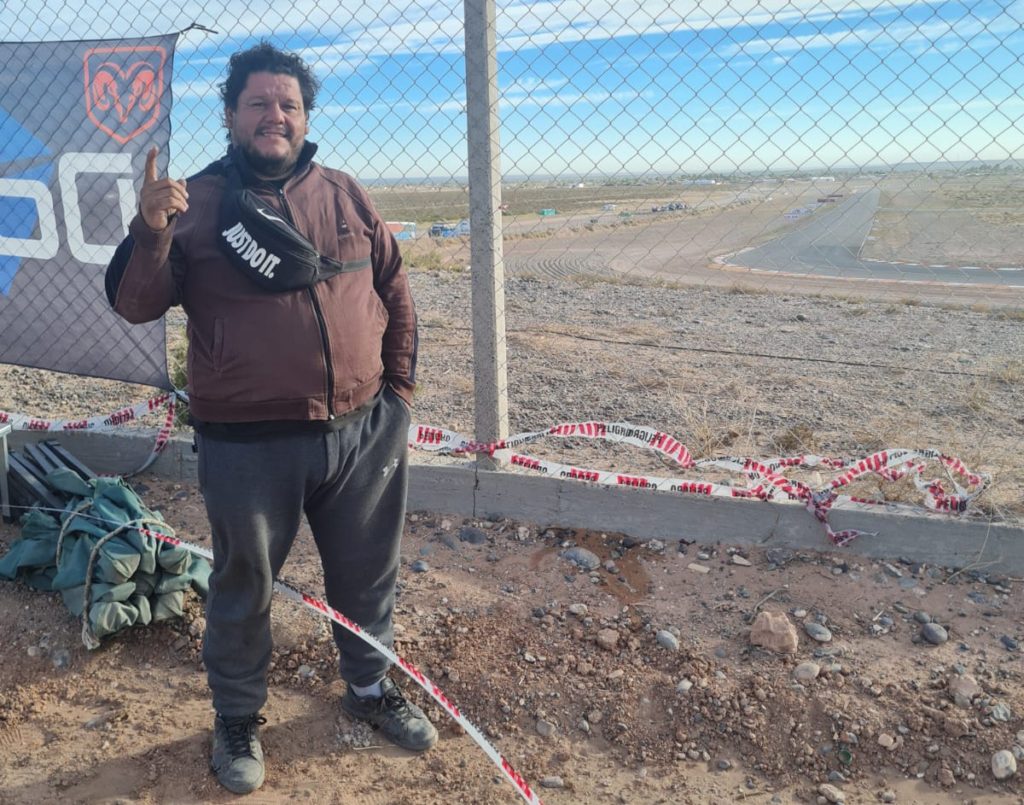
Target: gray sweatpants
column 352, row 485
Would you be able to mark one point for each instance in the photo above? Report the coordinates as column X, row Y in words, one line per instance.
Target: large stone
column 934, row 633
column 474, row 536
column 963, row 689
column 775, row 632
column 1004, row 764
column 818, row 631
column 831, row 793
column 608, row 639
column 588, row 560
column 806, row 672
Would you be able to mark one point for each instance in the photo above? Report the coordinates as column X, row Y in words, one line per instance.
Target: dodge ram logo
column 123, row 86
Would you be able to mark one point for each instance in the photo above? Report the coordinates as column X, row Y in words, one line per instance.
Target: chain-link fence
column 764, row 228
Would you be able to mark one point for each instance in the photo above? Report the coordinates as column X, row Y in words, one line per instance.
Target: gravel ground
column 637, row 681
column 725, row 371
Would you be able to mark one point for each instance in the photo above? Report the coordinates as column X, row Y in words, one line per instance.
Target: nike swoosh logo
column 268, row 216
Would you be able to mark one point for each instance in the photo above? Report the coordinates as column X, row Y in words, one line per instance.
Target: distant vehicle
column 438, row 229
column 547, row 211
column 461, row 229
column 608, row 207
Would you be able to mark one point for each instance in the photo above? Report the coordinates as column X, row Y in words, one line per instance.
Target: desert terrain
column 629, row 320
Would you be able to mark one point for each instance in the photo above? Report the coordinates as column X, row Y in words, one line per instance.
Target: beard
column 271, row 167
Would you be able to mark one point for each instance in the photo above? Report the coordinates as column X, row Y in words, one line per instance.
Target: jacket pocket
column 217, row 348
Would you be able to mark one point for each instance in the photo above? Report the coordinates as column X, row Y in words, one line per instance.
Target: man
column 299, row 392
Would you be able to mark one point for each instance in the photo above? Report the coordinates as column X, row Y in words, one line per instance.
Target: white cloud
column 934, row 34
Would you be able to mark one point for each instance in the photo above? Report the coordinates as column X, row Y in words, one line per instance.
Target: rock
column 1009, row 643
column 775, row 632
column 61, row 659
column 886, row 741
column 778, row 556
column 1004, row 765
column 419, row 566
column 449, row 541
column 946, row 777
column 553, row 781
column 545, row 729
column 1001, row 712
column 474, row 536
column 806, row 671
column 723, row 764
column 922, row 617
column 742, row 561
column 934, row 634
column 118, row 714
column 887, row 796
column 683, row 686
column 962, row 690
column 608, row 639
column 818, row 632
column 579, row 610
column 698, row 568
column 667, row 640
column 588, row 560
column 831, row 793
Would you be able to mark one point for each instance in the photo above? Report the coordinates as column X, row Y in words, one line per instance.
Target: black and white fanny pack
column 258, row 241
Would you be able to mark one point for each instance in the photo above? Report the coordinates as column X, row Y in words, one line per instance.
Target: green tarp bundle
column 109, row 573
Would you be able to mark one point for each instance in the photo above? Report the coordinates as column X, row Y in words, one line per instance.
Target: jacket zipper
column 325, row 347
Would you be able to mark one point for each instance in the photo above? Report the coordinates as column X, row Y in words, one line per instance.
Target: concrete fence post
column 490, row 381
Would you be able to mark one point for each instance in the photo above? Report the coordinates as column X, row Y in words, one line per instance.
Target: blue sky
column 602, row 88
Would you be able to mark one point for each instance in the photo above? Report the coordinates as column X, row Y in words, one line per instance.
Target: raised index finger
column 150, row 174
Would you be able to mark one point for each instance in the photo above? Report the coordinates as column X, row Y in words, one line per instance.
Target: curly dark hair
column 265, row 58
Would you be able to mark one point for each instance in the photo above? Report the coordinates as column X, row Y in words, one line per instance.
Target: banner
column 76, row 121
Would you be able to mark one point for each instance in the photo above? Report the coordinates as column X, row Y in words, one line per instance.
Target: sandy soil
column 500, row 627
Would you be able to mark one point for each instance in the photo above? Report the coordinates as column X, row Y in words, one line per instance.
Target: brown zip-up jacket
column 253, row 355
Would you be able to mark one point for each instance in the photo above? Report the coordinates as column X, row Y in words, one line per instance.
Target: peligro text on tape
column 414, row 673
column 765, row 477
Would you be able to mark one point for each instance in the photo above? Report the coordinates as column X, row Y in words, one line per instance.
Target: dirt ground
column 563, row 668
column 509, row 628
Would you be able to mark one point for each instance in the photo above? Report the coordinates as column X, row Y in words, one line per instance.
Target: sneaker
column 237, row 758
column 402, row 722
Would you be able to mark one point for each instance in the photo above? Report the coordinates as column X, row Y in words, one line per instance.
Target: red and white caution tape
column 104, row 424
column 765, row 478
column 410, row 670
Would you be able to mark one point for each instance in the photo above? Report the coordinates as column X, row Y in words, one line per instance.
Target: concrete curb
column 461, row 489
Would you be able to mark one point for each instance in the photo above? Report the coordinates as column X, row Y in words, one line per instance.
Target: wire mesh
column 761, row 227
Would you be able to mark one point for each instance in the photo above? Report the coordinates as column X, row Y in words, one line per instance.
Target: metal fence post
column 490, row 383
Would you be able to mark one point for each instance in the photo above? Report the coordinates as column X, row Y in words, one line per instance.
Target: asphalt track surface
column 828, row 245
